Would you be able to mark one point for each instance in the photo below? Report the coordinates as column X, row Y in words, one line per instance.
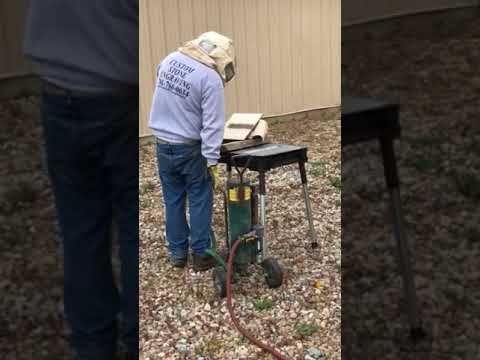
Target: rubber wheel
column 220, row 281
column 273, row 272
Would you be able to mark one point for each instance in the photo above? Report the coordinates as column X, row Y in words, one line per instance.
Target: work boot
column 202, row 262
column 178, row 262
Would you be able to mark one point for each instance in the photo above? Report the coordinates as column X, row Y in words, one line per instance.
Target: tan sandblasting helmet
column 214, row 50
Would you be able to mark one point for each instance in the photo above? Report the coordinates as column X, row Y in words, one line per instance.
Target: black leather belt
column 52, row 89
column 185, row 142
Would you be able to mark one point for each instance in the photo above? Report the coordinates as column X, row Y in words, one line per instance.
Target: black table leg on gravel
column 263, row 213
column 229, row 172
column 391, row 177
column 308, row 207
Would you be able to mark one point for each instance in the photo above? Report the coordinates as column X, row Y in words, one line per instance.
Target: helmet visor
column 229, row 72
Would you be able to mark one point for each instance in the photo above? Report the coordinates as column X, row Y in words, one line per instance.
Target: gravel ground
column 430, row 64
column 31, row 276
column 182, row 318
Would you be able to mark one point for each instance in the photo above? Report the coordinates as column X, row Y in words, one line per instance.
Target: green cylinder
column 240, row 199
column 239, row 210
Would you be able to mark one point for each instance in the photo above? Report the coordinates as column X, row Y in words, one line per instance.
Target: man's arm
column 213, row 119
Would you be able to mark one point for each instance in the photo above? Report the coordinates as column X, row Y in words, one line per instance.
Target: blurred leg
column 122, row 162
column 84, row 212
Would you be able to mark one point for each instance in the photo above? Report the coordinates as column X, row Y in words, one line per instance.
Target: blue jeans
column 184, row 174
column 92, row 158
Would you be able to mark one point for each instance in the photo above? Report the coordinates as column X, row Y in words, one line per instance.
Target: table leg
column 391, row 177
column 225, row 202
column 308, row 206
column 263, row 214
column 229, row 172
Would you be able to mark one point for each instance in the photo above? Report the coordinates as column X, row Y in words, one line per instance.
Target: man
column 86, row 53
column 187, row 118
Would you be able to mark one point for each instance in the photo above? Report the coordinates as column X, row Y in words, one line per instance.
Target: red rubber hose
column 235, row 321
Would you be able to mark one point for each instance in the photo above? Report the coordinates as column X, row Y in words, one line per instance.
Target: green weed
column 145, row 204
column 210, row 348
column 147, row 187
column 318, row 168
column 262, row 304
column 306, row 330
column 336, row 182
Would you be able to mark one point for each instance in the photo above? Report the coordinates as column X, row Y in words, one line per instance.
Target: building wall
column 288, row 51
column 12, row 18
column 359, row 11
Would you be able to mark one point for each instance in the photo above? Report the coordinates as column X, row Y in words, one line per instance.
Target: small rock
column 181, row 346
column 315, row 354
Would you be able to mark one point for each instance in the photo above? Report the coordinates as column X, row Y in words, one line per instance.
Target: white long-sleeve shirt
column 188, row 104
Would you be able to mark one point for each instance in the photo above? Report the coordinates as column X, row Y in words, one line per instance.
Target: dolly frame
column 245, row 159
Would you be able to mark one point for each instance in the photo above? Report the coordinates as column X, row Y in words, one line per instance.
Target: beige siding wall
column 356, row 11
column 288, row 51
column 12, row 18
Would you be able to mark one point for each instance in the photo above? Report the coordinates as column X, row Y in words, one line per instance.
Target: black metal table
column 263, row 158
column 367, row 119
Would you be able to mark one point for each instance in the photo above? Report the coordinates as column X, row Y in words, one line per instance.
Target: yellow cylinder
column 233, row 193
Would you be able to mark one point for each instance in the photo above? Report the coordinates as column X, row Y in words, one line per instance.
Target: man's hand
column 213, row 170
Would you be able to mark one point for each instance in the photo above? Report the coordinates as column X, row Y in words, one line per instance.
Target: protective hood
column 213, row 50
